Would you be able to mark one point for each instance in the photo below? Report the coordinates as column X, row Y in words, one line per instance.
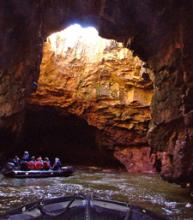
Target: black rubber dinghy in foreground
column 64, row 172
column 80, row 208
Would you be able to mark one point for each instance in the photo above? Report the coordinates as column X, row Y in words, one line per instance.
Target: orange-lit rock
column 99, row 81
column 136, row 160
column 160, row 32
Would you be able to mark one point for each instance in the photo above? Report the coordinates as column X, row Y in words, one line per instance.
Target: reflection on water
column 148, row 191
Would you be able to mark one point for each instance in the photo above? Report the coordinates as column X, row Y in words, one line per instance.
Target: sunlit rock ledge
column 99, row 81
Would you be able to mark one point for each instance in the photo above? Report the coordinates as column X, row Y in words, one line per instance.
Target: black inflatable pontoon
column 64, row 172
column 80, row 208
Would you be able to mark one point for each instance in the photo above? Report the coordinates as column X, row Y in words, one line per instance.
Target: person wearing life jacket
column 25, row 159
column 46, row 163
column 31, row 163
column 57, row 164
column 39, row 165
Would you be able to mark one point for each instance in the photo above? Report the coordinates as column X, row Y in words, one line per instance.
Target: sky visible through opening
column 85, row 41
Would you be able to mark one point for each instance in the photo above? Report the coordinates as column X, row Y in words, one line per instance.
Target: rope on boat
column 51, row 214
column 87, row 208
column 128, row 213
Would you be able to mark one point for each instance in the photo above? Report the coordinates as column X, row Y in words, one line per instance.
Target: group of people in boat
column 33, row 163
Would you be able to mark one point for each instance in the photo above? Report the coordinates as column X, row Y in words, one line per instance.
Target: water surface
column 147, row 191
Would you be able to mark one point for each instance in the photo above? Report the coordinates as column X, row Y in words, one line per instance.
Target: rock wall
column 160, row 32
column 100, row 81
column 20, row 57
column 137, row 159
column 171, row 130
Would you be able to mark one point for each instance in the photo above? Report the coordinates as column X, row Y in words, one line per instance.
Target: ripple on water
column 148, row 191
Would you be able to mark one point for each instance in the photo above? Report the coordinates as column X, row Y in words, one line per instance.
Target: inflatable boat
column 64, row 172
column 80, row 208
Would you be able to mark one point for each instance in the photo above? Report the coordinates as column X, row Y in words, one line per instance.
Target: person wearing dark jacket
column 57, row 164
column 26, row 156
column 24, row 161
column 13, row 163
column 16, row 161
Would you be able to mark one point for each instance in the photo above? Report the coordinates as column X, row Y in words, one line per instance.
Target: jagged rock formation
column 99, row 81
column 158, row 31
column 137, row 159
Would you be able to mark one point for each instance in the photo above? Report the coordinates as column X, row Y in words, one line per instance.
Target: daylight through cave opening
column 98, row 82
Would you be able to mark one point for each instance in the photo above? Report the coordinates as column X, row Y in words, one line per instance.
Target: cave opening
column 93, row 98
column 103, row 99
column 48, row 132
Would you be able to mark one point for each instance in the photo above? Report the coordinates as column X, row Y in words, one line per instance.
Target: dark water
column 148, row 191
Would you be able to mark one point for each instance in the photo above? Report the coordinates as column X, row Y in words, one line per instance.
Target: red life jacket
column 39, row 165
column 31, row 165
column 46, row 165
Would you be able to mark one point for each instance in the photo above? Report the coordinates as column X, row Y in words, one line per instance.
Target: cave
column 50, row 133
column 95, row 81
column 159, row 33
